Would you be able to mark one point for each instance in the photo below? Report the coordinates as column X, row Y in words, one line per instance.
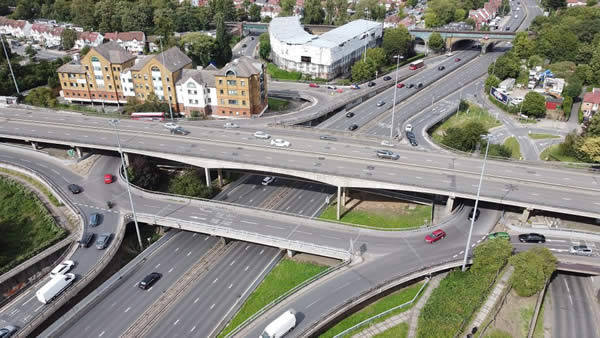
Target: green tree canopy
column 573, row 88
column 534, row 105
column 264, row 49
column 436, row 42
column 224, row 53
column 591, row 149
column 41, row 97
column 594, row 126
column 532, row 269
column 465, row 138
column 523, row 46
column 254, row 13
column 505, row 66
column 68, row 38
column 200, row 47
column 287, row 7
column 362, row 71
column 313, row 12
column 377, row 57
column 143, row 172
column 397, row 41
column 190, row 183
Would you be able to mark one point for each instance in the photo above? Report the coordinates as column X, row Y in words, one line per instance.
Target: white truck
column 280, row 326
column 54, row 287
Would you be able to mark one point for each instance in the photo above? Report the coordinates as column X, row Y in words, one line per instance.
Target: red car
column 457, row 60
column 108, row 179
column 435, row 236
column 313, row 85
column 400, row 85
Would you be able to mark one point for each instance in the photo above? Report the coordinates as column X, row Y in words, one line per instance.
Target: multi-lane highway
column 573, row 309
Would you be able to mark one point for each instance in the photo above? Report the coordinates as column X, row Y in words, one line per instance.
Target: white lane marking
column 157, row 265
column 196, row 301
column 101, row 334
column 341, row 286
column 419, row 177
column 248, row 267
column 332, row 237
column 177, row 249
column 304, row 232
column 192, row 330
column 566, row 198
column 248, row 222
column 535, row 194
column 29, row 300
column 232, row 262
column 216, row 279
column 247, row 247
column 230, row 285
column 177, row 321
column 313, row 303
column 200, row 218
column 38, row 308
column 170, row 270
column 189, row 253
column 127, row 309
column 261, row 251
column 212, row 306
column 272, row 226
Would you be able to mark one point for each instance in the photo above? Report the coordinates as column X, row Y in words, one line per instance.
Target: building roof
column 592, row 97
column 202, row 76
column 242, row 67
column 140, row 62
column 71, row 67
column 113, row 52
column 125, row 36
column 174, row 59
column 288, row 30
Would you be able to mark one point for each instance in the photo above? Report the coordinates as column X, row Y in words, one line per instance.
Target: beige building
column 241, row 89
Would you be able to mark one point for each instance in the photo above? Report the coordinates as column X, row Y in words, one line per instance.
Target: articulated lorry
column 54, row 287
column 280, row 326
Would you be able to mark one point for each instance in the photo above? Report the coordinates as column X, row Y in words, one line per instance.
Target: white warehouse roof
column 288, row 30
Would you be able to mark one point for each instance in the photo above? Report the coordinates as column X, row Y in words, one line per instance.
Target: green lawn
column 496, row 333
column 278, row 104
column 398, row 331
column 36, row 183
column 397, row 298
column 26, row 225
column 459, row 119
column 513, row 144
column 284, row 277
column 387, row 220
column 553, row 153
column 542, row 136
column 279, row 74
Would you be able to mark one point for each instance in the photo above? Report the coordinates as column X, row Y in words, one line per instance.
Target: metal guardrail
column 285, row 296
column 368, row 320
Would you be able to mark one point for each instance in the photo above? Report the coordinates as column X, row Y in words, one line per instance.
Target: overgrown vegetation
column 421, row 214
column 27, row 227
column 532, row 269
column 278, row 104
column 35, row 183
column 512, row 144
column 460, row 294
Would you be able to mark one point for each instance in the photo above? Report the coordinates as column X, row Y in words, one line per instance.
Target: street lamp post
column 168, row 91
column 487, row 147
column 9, row 65
column 398, row 57
column 115, row 123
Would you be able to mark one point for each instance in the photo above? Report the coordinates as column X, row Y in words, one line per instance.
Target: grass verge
column 397, row 298
column 278, row 104
column 35, row 183
column 279, row 74
column 497, row 333
column 473, row 114
column 553, row 153
column 285, row 276
column 542, row 136
column 26, row 226
column 398, row 331
column 382, row 219
column 514, row 147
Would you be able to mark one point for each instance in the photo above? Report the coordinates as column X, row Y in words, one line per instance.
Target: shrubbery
column 190, row 183
column 532, row 269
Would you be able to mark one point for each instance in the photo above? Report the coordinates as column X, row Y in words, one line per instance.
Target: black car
column 74, row 188
column 413, row 142
column 476, row 214
column 86, row 240
column 420, row 85
column 410, row 135
column 349, row 114
column 180, row 131
column 150, row 279
column 353, row 127
column 506, row 28
column 371, row 84
column 327, row 138
column 244, row 46
column 441, row 68
column 532, row 238
column 387, row 78
column 410, row 85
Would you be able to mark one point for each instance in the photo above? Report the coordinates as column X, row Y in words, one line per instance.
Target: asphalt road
column 574, row 313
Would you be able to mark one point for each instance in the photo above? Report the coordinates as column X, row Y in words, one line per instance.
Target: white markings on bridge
column 535, row 194
column 304, row 232
column 274, row 227
column 341, row 286
column 230, row 286
column 177, row 249
column 332, row 237
column 38, row 308
column 29, row 300
column 177, row 321
column 189, row 253
column 247, row 247
column 248, row 222
column 196, row 301
column 212, row 306
column 216, row 279
column 566, row 198
column 192, row 330
column 232, row 262
column 170, row 270
column 247, row 267
column 127, row 309
column 101, row 334
column 313, row 303
column 419, row 177
column 462, row 252
column 261, row 251
column 455, row 256
column 206, row 239
column 391, row 174
column 446, row 181
column 268, row 157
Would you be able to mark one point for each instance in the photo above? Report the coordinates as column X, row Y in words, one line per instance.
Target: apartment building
column 133, row 42
column 196, row 91
column 241, row 89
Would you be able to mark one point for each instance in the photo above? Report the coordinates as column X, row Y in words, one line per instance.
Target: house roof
column 174, row 59
column 140, row 62
column 125, row 36
column 88, row 36
column 113, row 52
column 71, row 67
column 39, row 27
column 242, row 67
column 202, row 76
column 592, row 97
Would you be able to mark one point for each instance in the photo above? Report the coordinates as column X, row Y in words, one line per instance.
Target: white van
column 280, row 326
column 54, row 287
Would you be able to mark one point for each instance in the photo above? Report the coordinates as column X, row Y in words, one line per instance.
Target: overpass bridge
column 450, row 37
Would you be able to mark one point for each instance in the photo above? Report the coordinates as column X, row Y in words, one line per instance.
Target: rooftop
column 174, row 59
column 593, row 96
column 242, row 67
column 113, row 52
column 71, row 67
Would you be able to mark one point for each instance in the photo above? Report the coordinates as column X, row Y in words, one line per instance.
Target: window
column 118, row 69
column 243, row 93
column 192, row 92
column 231, row 82
column 93, row 95
column 118, row 87
column 167, row 79
column 114, row 69
column 169, row 88
column 97, row 69
column 221, row 91
column 112, row 96
column 95, row 59
column 222, row 101
column 63, row 74
column 243, row 102
column 106, row 68
column 230, row 112
column 91, row 85
column 146, row 77
column 65, row 84
column 221, row 82
column 242, row 83
column 98, row 77
column 87, row 68
column 108, row 77
column 209, row 100
column 109, row 86
column 232, row 92
column 232, row 101
column 147, row 88
column 78, row 94
column 191, row 85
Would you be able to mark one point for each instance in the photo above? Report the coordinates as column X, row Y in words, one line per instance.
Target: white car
column 449, row 54
column 230, row 125
column 262, row 135
column 62, row 268
column 582, row 250
column 331, row 87
column 268, row 180
column 171, row 125
column 408, row 127
column 280, row 143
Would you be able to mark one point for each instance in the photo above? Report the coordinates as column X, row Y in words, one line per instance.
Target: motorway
column 572, row 308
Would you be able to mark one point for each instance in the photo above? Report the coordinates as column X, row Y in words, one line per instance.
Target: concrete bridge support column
column 525, row 215
column 126, row 157
column 449, row 204
column 207, row 175
column 220, row 177
column 290, row 253
column 79, row 153
column 339, row 202
column 224, row 240
column 34, row 145
column 344, row 196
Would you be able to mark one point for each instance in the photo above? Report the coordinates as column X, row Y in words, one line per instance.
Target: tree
column 163, row 21
column 464, row 138
column 498, row 150
column 491, row 255
column 41, row 97
column 287, row 7
column 594, row 126
column 200, row 47
column 396, row 41
column 26, row 9
column 436, row 42
column 463, row 105
column 441, row 12
column 573, row 89
column 412, row 3
column 534, row 105
column 377, row 57
column 190, row 183
column 591, row 3
column 591, row 149
column 523, row 46
column 535, row 60
column 508, row 65
column 224, row 53
column 342, row 12
column 554, row 4
column 30, row 51
column 61, row 10
column 68, row 38
column 491, row 81
column 471, row 22
column 313, row 12
column 532, row 269
column 254, row 12
column 362, row 71
column 83, row 51
column 143, row 172
column 80, row 10
column 330, row 12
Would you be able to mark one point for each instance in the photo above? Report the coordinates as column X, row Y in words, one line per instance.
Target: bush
column 532, row 269
column 567, row 106
column 190, row 183
column 464, row 138
column 498, row 150
column 143, row 172
column 41, row 97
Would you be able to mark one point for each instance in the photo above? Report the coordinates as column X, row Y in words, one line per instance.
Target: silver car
column 102, row 241
column 383, row 153
column 581, row 250
column 8, row 331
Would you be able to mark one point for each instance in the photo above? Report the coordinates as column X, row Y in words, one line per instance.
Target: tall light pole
column 398, row 57
column 366, row 36
column 168, row 93
column 115, row 123
column 487, row 147
column 9, row 65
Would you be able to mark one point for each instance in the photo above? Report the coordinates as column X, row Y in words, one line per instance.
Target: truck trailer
column 54, row 287
column 280, row 326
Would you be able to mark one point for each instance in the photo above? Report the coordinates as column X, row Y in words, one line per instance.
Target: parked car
column 532, row 238
column 380, row 103
column 8, row 331
column 457, row 60
column 327, row 138
column 268, row 180
column 108, row 179
column 102, row 241
column 349, row 114
column 262, row 135
column 353, row 127
column 410, row 135
column 413, row 142
column 86, row 240
column 387, row 143
column 230, row 125
column 95, row 219
column 149, row 280
column 74, row 188
column 476, row 214
column 435, row 236
column 280, row 143
column 313, row 85
column 441, row 68
column 387, row 154
column 354, row 86
column 371, row 84
column 62, row 268
column 400, row 85
column 408, row 127
column 244, row 46
column 507, row 29
column 501, row 235
column 582, row 250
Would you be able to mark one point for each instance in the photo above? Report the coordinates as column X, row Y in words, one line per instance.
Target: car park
column 95, row 219
column 62, row 268
column 349, row 114
column 102, row 241
column 420, row 85
column 476, row 214
column 230, row 125
column 313, row 85
column 387, row 154
column 387, row 78
column 408, row 127
column 380, row 103
column 108, row 179
column 149, row 280
column 441, row 68
column 74, row 188
column 327, row 138
column 268, row 180
column 371, row 84
column 532, row 238
column 400, row 85
column 8, row 331
column 581, row 250
column 501, row 235
column 457, row 60
column 353, row 127
column 280, row 143
column 435, row 236
column 86, row 240
column 262, row 135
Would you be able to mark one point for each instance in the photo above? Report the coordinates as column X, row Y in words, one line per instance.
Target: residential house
column 153, row 43
column 591, row 102
column 46, row 34
column 575, row 3
column 16, row 28
column 196, row 90
column 241, row 89
column 91, row 39
column 553, row 102
column 133, row 42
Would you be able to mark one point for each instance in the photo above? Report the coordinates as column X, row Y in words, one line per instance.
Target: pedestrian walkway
column 414, row 319
column 488, row 306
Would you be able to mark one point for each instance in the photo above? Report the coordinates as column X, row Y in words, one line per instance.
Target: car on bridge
column 108, row 179
column 349, row 114
column 102, row 241
column 413, row 142
column 94, row 219
column 581, row 250
column 410, row 85
column 313, row 85
column 408, row 127
column 457, row 60
column 400, row 85
column 280, row 143
column 420, row 85
column 8, row 331
column 327, row 138
column 410, row 135
column 372, row 84
column 449, row 54
column 353, row 127
column 62, row 268
column 387, row 78
column 501, row 235
column 74, row 188
column 268, row 180
column 441, row 68
column 149, row 280
column 230, row 125
column 387, row 154
column 380, row 103
column 331, row 87
column 179, row 131
column 435, row 236
column 476, row 214
column 86, row 240
column 532, row 238
column 262, row 135
column 354, row 86
column 170, row 125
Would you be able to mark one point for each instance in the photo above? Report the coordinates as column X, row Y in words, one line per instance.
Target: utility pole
column 9, row 65
column 168, row 94
column 398, row 57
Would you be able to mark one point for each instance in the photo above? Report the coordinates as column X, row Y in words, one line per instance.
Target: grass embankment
column 285, row 276
column 474, row 114
column 397, row 298
column 553, row 153
column 278, row 104
column 542, row 136
column 277, row 73
column 418, row 216
column 513, row 144
column 35, row 183
column 26, row 226
column 398, row 331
